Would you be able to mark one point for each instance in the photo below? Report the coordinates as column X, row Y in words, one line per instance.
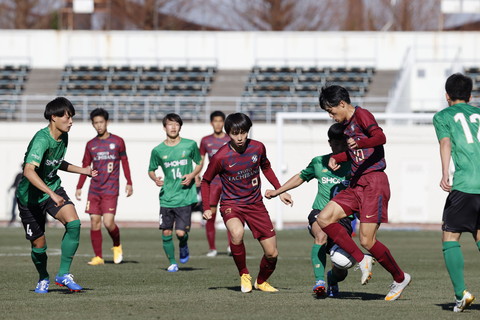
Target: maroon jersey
column 239, row 174
column 210, row 145
column 105, row 154
column 370, row 156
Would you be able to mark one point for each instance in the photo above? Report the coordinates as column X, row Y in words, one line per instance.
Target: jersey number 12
column 466, row 129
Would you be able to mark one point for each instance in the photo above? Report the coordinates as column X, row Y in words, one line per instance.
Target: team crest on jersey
column 324, row 170
column 254, row 158
column 183, row 154
column 164, row 157
column 112, row 146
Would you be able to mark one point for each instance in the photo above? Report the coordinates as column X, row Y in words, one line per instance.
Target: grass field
column 208, row 288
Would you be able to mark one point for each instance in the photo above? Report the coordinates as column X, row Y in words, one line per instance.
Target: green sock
column 169, row 249
column 39, row 258
column 319, row 259
column 183, row 240
column 70, row 241
column 478, row 245
column 452, row 254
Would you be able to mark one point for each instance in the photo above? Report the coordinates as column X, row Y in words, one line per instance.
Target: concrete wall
column 411, row 152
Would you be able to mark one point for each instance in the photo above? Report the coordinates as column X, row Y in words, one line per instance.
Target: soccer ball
column 340, row 258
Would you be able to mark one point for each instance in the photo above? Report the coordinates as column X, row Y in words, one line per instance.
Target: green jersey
column 46, row 154
column 329, row 182
column 176, row 162
column 461, row 123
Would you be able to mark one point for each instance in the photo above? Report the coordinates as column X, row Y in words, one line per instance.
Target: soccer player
column 40, row 192
column 239, row 163
column 178, row 193
column 368, row 192
column 329, row 184
column 457, row 128
column 210, row 145
column 105, row 152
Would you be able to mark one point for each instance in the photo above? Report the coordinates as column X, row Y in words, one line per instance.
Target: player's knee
column 180, row 233
column 167, row 232
column 271, row 255
column 366, row 242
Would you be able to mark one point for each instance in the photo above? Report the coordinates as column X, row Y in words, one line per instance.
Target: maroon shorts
column 100, row 204
column 369, row 197
column 215, row 192
column 254, row 215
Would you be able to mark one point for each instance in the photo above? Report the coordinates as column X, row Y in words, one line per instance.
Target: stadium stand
column 137, row 89
column 12, row 84
column 474, row 73
column 284, row 84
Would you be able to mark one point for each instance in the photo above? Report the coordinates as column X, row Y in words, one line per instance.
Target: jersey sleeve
column 308, row 173
column 196, row 157
column 214, row 167
column 203, row 148
column 37, row 149
column 154, row 163
column 124, row 159
column 267, row 169
column 87, row 160
column 442, row 128
column 376, row 137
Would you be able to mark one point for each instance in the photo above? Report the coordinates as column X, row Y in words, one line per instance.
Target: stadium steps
column 382, row 82
column 43, row 81
column 228, row 83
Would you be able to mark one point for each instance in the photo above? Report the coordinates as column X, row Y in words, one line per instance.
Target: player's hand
column 207, row 214
column 187, row 179
column 58, row 200
column 78, row 194
column 129, row 190
column 352, row 143
column 159, row 182
column 90, row 172
column 198, row 181
column 269, row 194
column 332, row 164
column 287, row 199
column 445, row 184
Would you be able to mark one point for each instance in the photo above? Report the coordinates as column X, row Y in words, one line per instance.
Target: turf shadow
column 360, row 296
column 124, row 261
column 189, row 269
column 449, row 306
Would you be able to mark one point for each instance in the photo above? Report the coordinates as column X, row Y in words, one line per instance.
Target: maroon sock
column 340, row 236
column 385, row 258
column 210, row 231
column 96, row 237
column 240, row 257
column 267, row 266
column 115, row 235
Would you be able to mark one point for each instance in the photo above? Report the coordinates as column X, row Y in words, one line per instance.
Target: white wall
column 411, row 152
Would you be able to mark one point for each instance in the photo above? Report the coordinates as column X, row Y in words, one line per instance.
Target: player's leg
column 96, row 239
column 166, row 225
column 334, row 276
column 210, row 232
column 318, row 255
column 183, row 221
column 267, row 264
column 114, row 232
column 454, row 261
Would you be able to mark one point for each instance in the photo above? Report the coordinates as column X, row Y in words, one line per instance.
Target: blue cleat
column 173, row 268
column 332, row 288
column 319, row 288
column 42, row 286
column 67, row 281
column 184, row 254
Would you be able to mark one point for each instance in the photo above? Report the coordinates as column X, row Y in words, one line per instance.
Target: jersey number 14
column 176, row 173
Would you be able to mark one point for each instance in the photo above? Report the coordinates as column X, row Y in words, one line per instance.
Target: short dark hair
column 237, row 123
column 336, row 132
column 99, row 112
column 172, row 117
column 331, row 95
column 58, row 107
column 459, row 87
column 217, row 114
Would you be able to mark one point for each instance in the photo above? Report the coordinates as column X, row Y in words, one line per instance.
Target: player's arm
column 375, row 138
column 214, row 167
column 292, row 183
column 65, row 166
column 190, row 177
column 126, row 169
column 272, row 178
column 336, row 159
column 86, row 162
column 445, row 154
column 157, row 179
column 32, row 176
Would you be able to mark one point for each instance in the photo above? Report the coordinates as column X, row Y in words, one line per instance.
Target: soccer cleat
column 332, row 287
column 173, row 268
column 465, row 302
column 319, row 288
column 184, row 254
column 265, row 287
column 366, row 267
column 67, row 281
column 212, row 253
column 396, row 288
column 42, row 286
column 117, row 254
column 96, row 261
column 246, row 283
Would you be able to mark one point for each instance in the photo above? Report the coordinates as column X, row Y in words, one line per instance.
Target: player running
column 40, row 192
column 105, row 152
column 178, row 193
column 368, row 192
column 456, row 127
column 329, row 184
column 238, row 164
column 210, row 145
